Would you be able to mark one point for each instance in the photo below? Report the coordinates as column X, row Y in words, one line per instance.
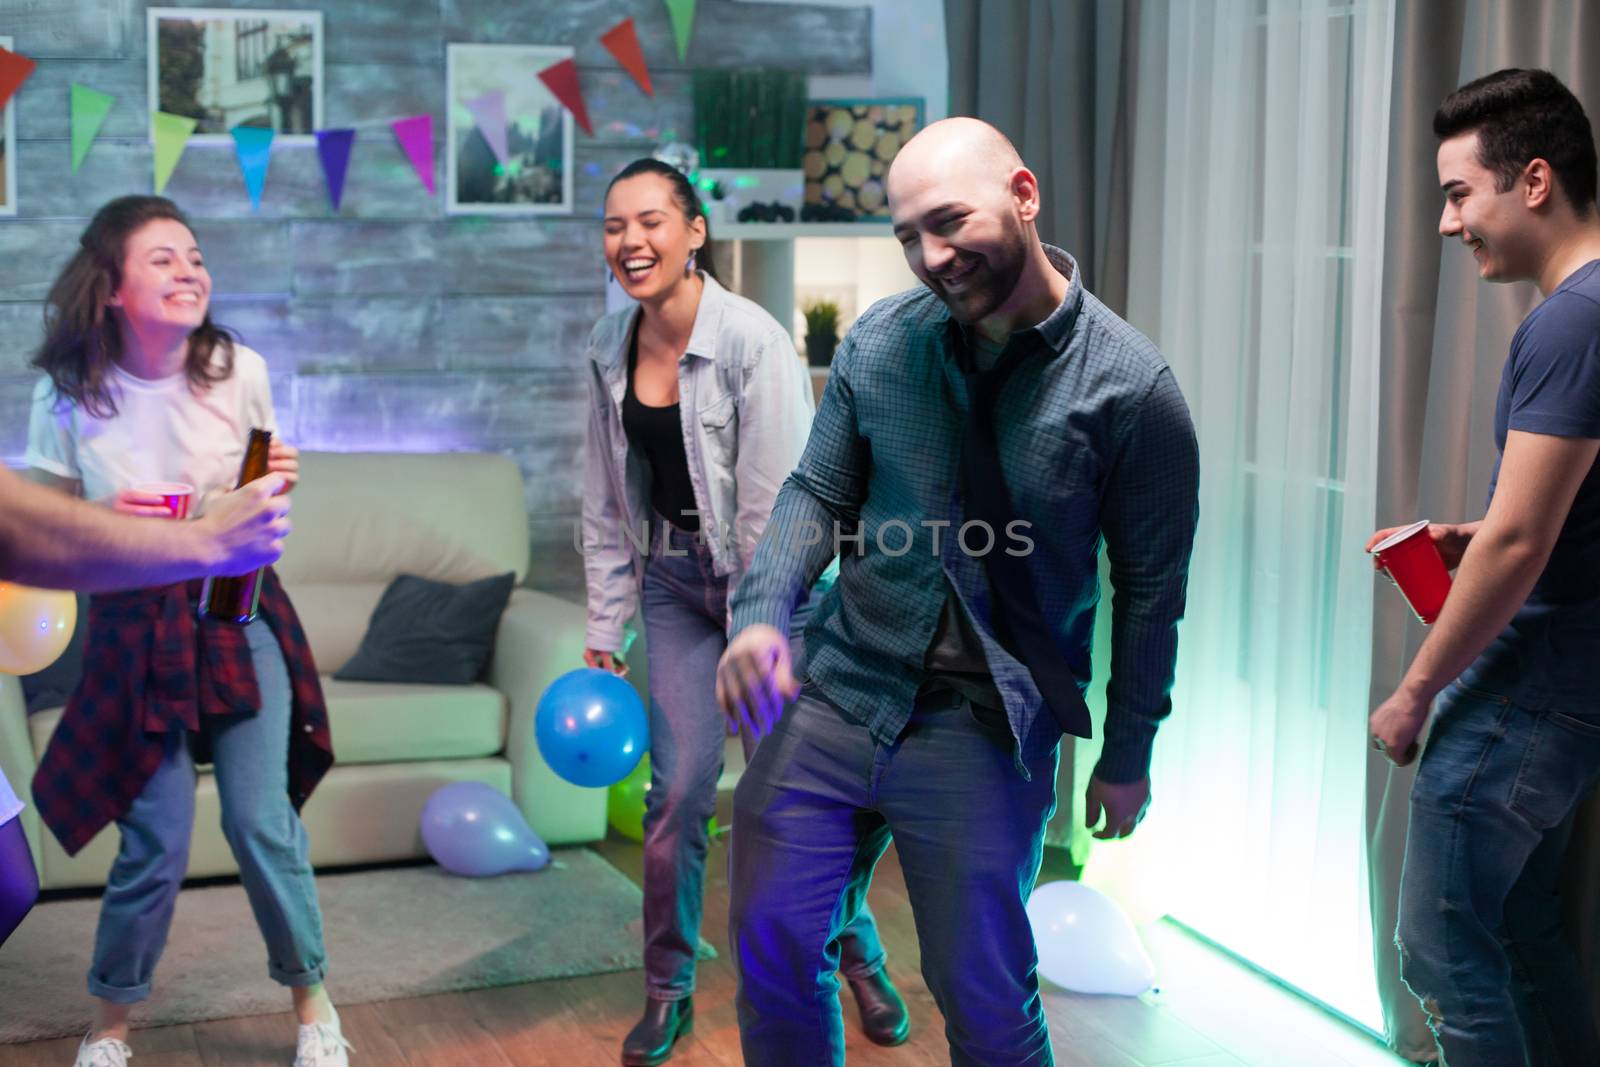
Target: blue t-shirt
column 1548, row 658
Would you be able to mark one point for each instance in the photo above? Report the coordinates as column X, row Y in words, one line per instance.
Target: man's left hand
column 1124, row 806
column 1394, row 727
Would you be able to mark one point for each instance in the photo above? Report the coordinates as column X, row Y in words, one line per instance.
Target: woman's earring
column 688, row 268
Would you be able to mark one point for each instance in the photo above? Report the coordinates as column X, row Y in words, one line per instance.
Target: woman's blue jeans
column 250, row 757
column 685, row 620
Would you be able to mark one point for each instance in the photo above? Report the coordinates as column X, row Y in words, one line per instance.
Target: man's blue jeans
column 685, row 620
column 251, row 761
column 811, row 816
column 1480, row 917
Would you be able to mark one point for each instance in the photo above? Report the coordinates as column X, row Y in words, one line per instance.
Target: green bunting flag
column 682, row 14
column 89, row 110
column 171, row 134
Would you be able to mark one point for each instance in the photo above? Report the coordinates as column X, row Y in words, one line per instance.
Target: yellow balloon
column 35, row 626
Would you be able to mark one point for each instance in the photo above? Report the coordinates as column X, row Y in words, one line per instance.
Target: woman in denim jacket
column 699, row 410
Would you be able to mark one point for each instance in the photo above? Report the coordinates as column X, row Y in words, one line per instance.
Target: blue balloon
column 475, row 830
column 591, row 727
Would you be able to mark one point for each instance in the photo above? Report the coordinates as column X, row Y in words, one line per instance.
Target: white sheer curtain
column 1256, row 265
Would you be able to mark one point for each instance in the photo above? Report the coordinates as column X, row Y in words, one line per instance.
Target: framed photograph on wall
column 849, row 145
column 227, row 67
column 536, row 175
column 8, row 151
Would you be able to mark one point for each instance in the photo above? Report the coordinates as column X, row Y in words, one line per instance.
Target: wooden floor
column 1209, row 1012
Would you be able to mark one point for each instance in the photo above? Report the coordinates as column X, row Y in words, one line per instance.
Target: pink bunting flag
column 622, row 41
column 14, row 70
column 562, row 80
column 489, row 113
column 415, row 135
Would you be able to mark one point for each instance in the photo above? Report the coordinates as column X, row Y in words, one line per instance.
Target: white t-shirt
column 163, row 431
column 10, row 806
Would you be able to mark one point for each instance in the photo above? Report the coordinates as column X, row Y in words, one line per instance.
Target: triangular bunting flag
column 416, row 138
column 622, row 41
column 489, row 112
column 682, row 14
column 333, row 146
column 562, row 78
column 89, row 110
column 14, row 70
column 172, row 133
column 253, row 146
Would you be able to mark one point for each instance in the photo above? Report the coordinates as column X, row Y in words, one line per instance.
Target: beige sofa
column 359, row 520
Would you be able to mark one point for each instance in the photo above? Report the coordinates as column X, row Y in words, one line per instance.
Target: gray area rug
column 390, row 933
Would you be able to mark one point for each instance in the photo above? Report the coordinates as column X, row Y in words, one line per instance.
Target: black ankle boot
column 650, row 1042
column 883, row 1013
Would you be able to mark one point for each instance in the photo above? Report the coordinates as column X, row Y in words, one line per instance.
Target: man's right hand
column 244, row 529
column 754, row 679
column 1451, row 541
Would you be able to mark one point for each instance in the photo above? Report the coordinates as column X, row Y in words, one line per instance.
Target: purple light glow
column 390, row 442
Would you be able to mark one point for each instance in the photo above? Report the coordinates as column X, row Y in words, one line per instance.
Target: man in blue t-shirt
column 1515, row 655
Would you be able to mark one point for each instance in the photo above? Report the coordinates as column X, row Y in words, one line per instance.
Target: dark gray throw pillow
column 431, row 632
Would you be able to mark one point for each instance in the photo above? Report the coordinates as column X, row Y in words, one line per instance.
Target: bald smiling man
column 977, row 440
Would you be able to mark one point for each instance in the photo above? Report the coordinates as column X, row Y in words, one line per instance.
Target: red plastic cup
column 177, row 496
column 1413, row 561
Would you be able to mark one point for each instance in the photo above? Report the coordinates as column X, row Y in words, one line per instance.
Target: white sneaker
column 321, row 1045
column 107, row 1052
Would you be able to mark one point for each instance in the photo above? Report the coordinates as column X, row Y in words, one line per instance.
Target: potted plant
column 822, row 331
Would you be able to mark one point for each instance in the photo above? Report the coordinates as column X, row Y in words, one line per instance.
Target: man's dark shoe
column 883, row 1013
column 650, row 1042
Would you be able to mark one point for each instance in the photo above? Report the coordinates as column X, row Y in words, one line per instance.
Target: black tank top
column 657, row 434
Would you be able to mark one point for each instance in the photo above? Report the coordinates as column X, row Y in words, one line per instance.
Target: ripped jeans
column 1480, row 933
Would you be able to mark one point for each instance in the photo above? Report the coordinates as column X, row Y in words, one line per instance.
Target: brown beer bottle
column 236, row 599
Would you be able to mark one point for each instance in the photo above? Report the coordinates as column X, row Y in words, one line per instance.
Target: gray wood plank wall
column 388, row 326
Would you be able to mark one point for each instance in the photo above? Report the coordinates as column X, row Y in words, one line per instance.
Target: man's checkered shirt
column 1095, row 441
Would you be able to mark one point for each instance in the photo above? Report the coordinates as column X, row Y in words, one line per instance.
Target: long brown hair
column 81, row 337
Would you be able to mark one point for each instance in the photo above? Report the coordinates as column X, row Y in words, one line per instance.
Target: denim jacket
column 745, row 400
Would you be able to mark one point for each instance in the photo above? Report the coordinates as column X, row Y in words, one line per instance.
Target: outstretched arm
column 824, row 493
column 825, row 490
column 775, row 414
column 49, row 539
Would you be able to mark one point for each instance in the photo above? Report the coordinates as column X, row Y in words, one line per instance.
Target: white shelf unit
column 757, row 258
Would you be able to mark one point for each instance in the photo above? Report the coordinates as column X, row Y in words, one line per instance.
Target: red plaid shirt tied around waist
column 150, row 668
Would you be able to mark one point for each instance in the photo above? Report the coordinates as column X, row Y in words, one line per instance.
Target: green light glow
column 1254, row 835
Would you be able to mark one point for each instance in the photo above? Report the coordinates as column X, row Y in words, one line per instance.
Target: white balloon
column 1086, row 943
